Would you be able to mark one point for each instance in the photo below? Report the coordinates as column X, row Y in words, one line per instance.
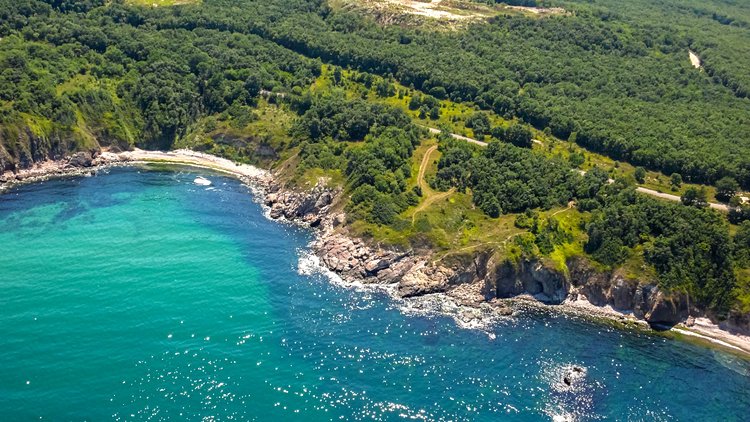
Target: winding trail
column 646, row 191
column 430, row 196
column 423, row 168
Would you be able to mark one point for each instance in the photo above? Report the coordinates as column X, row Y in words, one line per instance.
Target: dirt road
column 646, row 191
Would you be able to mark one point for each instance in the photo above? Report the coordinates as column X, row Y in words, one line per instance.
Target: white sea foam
column 483, row 318
column 309, row 264
column 467, row 317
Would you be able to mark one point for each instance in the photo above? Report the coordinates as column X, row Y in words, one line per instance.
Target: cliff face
column 21, row 147
column 474, row 278
column 549, row 285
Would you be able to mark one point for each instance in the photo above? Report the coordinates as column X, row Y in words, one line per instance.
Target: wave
column 483, row 318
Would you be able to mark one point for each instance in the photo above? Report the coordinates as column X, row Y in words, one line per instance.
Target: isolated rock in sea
column 573, row 375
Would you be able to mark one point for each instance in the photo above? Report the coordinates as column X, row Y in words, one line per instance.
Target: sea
column 139, row 294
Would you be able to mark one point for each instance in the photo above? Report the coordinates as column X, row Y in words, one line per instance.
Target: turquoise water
column 138, row 295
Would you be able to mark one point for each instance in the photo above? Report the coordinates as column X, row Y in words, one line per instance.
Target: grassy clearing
column 454, row 116
column 447, row 222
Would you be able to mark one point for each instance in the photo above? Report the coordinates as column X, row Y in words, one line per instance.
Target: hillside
column 565, row 101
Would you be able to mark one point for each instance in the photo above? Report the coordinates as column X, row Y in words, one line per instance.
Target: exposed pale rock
column 424, row 279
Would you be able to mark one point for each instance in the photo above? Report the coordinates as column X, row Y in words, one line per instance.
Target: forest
column 614, row 77
column 619, row 80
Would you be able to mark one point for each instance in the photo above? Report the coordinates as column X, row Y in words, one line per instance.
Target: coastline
column 357, row 263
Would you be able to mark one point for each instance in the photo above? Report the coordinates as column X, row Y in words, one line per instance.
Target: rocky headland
column 479, row 283
column 481, row 280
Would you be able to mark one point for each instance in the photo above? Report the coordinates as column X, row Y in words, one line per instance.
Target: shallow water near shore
column 140, row 295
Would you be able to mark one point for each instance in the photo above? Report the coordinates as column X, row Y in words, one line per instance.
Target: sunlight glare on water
column 143, row 295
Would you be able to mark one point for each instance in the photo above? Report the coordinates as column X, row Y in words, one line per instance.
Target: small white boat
column 202, row 181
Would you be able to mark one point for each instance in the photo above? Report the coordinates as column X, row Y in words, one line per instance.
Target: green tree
column 479, row 122
column 337, row 75
column 415, row 102
column 694, row 197
column 519, row 135
column 726, row 188
column 435, row 113
column 675, row 180
column 640, row 175
column 741, row 244
column 577, row 159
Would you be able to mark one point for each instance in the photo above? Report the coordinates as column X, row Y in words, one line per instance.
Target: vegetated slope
column 617, row 77
column 81, row 73
column 74, row 80
column 622, row 82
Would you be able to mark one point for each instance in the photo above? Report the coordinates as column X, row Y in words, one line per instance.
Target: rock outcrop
column 81, row 159
column 659, row 308
column 415, row 274
column 308, row 207
column 582, row 281
column 532, row 277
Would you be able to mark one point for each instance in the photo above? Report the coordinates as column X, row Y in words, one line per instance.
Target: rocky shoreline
column 476, row 284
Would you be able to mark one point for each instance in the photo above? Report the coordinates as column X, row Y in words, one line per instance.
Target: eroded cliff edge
column 479, row 278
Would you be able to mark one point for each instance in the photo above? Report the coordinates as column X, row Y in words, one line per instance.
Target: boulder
column 81, row 159
column 372, row 267
column 277, row 211
column 424, row 279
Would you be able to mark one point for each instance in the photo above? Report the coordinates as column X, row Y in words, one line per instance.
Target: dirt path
column 456, row 136
column 571, row 204
column 646, row 191
column 423, row 168
column 670, row 197
column 430, row 196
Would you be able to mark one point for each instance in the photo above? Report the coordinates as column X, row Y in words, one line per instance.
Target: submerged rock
column 573, row 375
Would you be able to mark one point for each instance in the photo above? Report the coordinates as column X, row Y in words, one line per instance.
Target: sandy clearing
column 538, row 10
column 694, row 59
column 432, row 9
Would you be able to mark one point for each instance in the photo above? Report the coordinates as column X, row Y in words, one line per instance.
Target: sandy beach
column 189, row 157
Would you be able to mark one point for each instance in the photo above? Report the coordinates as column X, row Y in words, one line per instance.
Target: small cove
column 138, row 294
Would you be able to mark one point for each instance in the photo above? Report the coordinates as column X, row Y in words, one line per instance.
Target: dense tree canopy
column 611, row 76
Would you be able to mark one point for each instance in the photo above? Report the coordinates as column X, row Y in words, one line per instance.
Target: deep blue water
column 138, row 295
